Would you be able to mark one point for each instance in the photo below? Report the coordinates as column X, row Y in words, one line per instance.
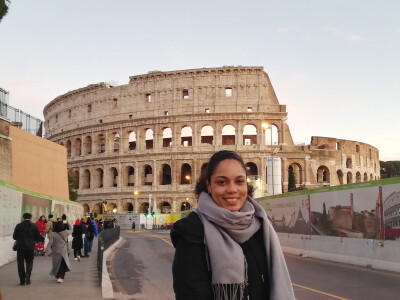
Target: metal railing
column 107, row 237
column 21, row 119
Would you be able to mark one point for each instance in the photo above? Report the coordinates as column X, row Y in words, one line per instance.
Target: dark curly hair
column 219, row 156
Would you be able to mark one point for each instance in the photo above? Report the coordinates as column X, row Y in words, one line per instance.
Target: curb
column 106, row 284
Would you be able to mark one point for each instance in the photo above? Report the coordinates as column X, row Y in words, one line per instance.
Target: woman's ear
column 208, row 186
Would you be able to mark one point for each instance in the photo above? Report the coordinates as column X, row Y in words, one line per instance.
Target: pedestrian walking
column 133, row 225
column 26, row 234
column 59, row 249
column 49, row 229
column 41, row 224
column 227, row 248
column 77, row 242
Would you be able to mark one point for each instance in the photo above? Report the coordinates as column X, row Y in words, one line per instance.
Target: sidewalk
column 81, row 283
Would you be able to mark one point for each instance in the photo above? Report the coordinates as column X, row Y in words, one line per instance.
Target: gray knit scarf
column 223, row 232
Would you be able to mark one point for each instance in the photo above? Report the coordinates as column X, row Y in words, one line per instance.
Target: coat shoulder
column 190, row 228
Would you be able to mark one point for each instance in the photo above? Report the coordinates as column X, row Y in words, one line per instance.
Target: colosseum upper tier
column 152, row 137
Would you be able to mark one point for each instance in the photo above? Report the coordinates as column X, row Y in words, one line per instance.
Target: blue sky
column 335, row 64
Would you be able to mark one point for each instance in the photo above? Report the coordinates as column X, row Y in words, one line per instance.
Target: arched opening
column 78, row 147
column 132, row 140
column 186, row 136
column 86, row 179
column 101, row 143
column 87, row 145
column 365, row 177
column 207, row 135
column 131, row 176
column 251, row 169
column 96, row 208
column 185, row 206
column 358, row 177
column 166, row 177
column 129, row 207
column 98, row 178
column 167, row 137
column 349, row 177
column 165, row 208
column 144, row 208
column 297, row 173
column 115, row 142
column 68, row 146
column 113, row 177
column 228, row 135
column 75, row 177
column 349, row 163
column 86, row 209
column 272, row 135
column 323, row 175
column 340, row 176
column 111, row 207
column 249, row 135
column 148, row 175
column 186, row 174
column 149, row 138
column 371, row 177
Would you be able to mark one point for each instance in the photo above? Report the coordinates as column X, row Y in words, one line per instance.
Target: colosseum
column 151, row 138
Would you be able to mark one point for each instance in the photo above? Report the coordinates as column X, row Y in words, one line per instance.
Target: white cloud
column 346, row 35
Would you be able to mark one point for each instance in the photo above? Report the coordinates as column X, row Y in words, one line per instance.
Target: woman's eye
column 220, row 182
column 240, row 181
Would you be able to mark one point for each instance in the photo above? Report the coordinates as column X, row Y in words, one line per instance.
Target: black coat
column 77, row 242
column 27, row 233
column 191, row 274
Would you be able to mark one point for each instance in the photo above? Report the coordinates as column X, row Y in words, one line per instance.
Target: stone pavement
column 81, row 283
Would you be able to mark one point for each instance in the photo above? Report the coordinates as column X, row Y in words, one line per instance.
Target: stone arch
column 251, row 169
column 129, row 176
column 147, row 175
column 132, row 140
column 323, row 175
column 100, row 143
column 111, row 206
column 86, row 209
column 113, row 177
column 87, row 145
column 358, row 177
column 75, row 177
column 228, row 135
column 340, row 176
column 349, row 163
column 186, row 174
column 186, row 136
column 129, row 207
column 272, row 135
column 365, row 177
column 249, row 135
column 68, row 146
column 98, row 178
column 167, row 137
column 185, row 206
column 349, row 177
column 115, row 142
column 77, row 147
column 149, row 138
column 297, row 172
column 143, row 207
column 166, row 175
column 207, row 135
column 86, row 179
column 371, row 177
column 165, row 207
column 96, row 208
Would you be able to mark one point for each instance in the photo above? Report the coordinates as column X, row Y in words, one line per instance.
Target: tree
column 73, row 194
column 292, row 181
column 390, row 169
column 3, row 8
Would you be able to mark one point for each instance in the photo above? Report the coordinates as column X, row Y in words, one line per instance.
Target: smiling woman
column 226, row 248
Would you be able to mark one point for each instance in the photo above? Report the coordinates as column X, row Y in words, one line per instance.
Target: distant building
column 154, row 136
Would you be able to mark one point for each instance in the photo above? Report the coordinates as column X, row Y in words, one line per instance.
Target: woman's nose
column 231, row 187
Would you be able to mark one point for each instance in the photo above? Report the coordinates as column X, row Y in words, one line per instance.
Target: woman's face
column 42, row 218
column 228, row 185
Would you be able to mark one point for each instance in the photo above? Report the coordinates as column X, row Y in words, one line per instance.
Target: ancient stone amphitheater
column 152, row 137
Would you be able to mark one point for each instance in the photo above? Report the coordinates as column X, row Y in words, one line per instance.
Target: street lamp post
column 136, row 193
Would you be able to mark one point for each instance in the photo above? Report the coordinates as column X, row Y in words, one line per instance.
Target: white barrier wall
column 357, row 223
column 15, row 201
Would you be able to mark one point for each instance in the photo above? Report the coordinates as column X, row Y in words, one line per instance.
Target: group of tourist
column 29, row 236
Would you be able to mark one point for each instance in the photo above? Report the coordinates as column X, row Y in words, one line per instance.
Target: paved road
column 142, row 270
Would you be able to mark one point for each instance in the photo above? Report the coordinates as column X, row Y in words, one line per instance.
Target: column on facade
column 263, row 174
column 282, row 131
column 218, row 134
column 284, row 174
column 155, row 172
column 239, row 134
column 306, row 170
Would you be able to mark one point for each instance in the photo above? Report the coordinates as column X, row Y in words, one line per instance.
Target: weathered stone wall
column 115, row 135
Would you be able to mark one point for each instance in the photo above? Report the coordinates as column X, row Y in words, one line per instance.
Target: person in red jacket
column 41, row 224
